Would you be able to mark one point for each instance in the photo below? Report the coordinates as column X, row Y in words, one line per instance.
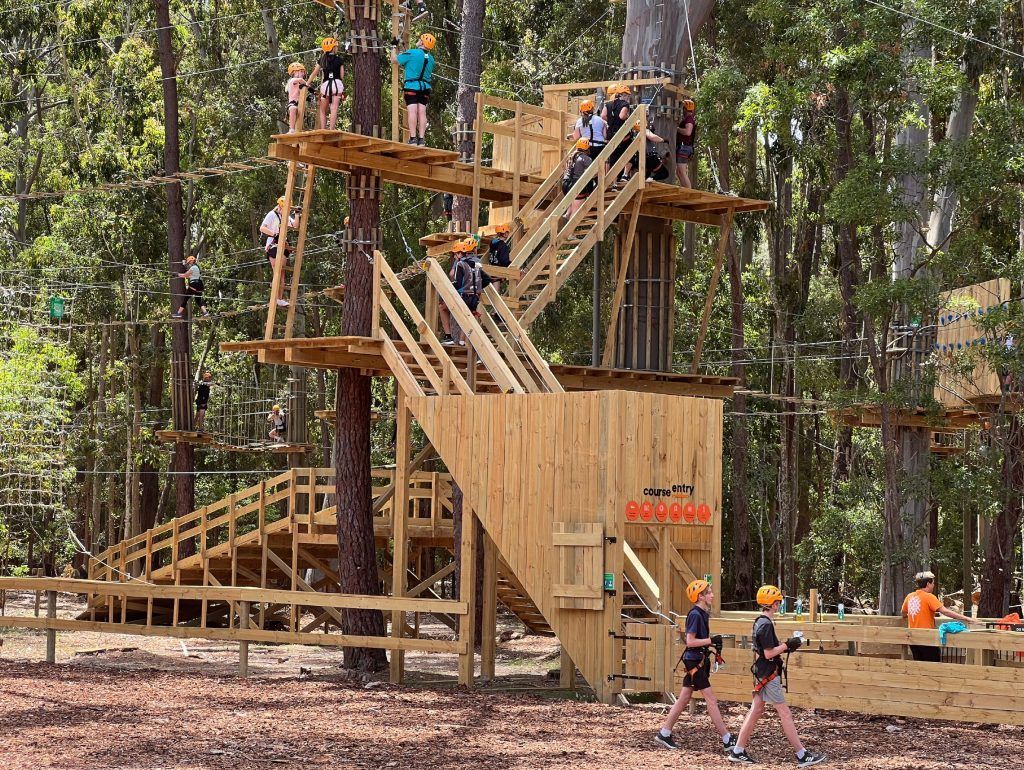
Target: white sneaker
column 282, row 303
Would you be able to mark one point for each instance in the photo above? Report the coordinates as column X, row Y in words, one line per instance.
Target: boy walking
column 919, row 609
column 768, row 672
column 697, row 662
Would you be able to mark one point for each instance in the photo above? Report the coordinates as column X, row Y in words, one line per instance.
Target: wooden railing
column 244, row 517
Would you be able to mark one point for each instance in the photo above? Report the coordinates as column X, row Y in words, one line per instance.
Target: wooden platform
column 366, row 354
column 429, row 168
column 869, row 416
column 214, row 441
column 438, row 244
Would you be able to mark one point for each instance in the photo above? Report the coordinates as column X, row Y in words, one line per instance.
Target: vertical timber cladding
column 645, row 330
column 541, row 469
column 960, row 335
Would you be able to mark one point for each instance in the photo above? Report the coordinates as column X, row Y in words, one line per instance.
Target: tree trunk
column 997, row 572
column 357, row 557
column 742, row 570
column 470, row 66
column 183, row 463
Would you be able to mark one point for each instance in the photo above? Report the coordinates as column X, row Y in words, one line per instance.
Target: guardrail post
column 51, row 633
column 243, row 644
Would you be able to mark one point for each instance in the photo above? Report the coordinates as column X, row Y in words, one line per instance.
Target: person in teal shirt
column 418, row 63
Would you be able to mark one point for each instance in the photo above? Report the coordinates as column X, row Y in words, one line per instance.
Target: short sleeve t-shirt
column 764, row 639
column 698, row 624
column 920, row 608
column 500, row 253
column 594, row 129
column 419, row 68
column 202, row 394
column 193, row 273
column 687, row 140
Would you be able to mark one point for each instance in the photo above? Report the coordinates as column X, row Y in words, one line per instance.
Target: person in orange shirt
column 919, row 609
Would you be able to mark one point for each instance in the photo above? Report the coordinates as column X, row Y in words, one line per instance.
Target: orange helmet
column 689, row 104
column 695, row 589
column 587, row 105
column 328, row 44
column 281, row 201
column 296, row 66
column 768, row 595
column 428, row 41
column 502, row 229
column 469, row 245
column 583, row 144
column 618, row 88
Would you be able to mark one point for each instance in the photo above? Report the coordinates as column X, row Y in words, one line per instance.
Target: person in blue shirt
column 700, row 647
column 418, row 64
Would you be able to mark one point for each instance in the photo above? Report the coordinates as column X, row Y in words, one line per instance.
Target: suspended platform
column 214, row 441
column 429, row 168
column 943, row 421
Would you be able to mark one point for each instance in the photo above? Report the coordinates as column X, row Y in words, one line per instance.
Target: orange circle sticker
column 632, row 510
column 689, row 512
column 675, row 512
column 661, row 512
column 703, row 513
column 646, row 510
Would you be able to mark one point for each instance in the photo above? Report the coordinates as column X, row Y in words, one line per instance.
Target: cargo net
column 39, row 384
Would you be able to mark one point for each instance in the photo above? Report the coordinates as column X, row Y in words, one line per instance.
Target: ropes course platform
column 429, row 168
column 214, row 441
column 944, row 421
column 367, row 354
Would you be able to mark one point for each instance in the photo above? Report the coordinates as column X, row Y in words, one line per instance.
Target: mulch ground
column 80, row 716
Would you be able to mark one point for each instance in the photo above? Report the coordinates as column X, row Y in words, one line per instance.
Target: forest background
column 887, row 135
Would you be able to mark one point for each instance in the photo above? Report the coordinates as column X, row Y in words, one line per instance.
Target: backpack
column 567, row 180
column 472, row 278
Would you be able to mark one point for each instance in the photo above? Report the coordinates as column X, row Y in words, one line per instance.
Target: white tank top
column 595, row 131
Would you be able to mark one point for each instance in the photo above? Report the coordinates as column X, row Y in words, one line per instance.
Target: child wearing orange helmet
column 700, row 647
column 296, row 82
column 332, row 86
column 592, row 127
column 769, row 671
column 418, row 63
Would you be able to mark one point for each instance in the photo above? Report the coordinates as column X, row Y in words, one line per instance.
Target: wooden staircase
column 553, row 243
column 512, row 594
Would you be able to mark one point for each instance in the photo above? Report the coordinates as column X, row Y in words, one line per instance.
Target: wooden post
column 51, row 633
column 243, row 644
column 478, row 147
column 375, row 299
column 400, row 521
column 716, row 274
column 517, row 159
column 813, row 609
column 489, row 630
column 467, row 591
column 566, row 670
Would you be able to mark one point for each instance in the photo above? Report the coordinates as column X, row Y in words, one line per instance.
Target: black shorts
column 201, row 407
column 618, row 152
column 701, row 678
column 196, row 287
column 272, row 254
column 417, row 97
column 926, row 653
column 472, row 302
column 595, row 150
column 683, row 153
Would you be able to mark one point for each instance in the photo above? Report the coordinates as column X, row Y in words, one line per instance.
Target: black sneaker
column 742, row 758
column 666, row 740
column 810, row 758
column 447, row 340
column 727, row 747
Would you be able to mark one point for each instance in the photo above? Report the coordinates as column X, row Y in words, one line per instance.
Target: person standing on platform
column 418, row 64
column 919, row 609
column 459, row 249
column 296, row 82
column 271, row 227
column 500, row 252
column 332, row 85
column 686, row 133
column 278, row 423
column 202, row 400
column 701, row 646
column 769, row 671
column 650, row 153
column 194, row 287
column 592, row 127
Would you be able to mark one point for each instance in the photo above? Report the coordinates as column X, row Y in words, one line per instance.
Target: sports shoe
column 665, row 740
column 177, row 315
column 282, row 303
column 447, row 341
column 742, row 758
column 810, row 758
column 413, row 140
column 727, row 747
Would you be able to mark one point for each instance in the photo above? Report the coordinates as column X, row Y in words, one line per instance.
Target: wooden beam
column 625, row 255
column 399, row 522
column 716, row 274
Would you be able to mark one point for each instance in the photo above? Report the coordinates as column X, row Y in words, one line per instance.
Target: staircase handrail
column 533, row 239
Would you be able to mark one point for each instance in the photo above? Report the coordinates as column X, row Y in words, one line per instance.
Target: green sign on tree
column 56, row 308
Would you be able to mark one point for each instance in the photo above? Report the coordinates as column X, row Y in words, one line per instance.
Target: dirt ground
column 118, row 702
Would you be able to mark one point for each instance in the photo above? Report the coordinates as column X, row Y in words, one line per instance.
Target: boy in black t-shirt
column 697, row 662
column 768, row 672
